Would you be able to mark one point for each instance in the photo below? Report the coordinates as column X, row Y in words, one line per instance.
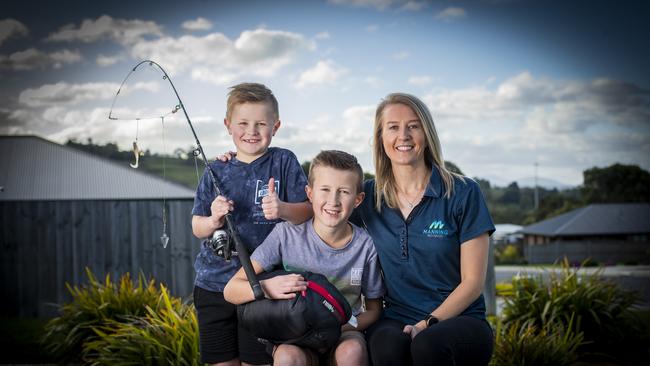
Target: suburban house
column 63, row 210
column 605, row 233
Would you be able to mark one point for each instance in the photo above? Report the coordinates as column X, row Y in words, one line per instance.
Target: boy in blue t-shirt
column 328, row 245
column 261, row 186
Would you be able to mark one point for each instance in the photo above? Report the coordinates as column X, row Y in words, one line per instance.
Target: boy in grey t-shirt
column 329, row 245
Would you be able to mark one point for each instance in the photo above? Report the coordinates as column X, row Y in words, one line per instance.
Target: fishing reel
column 221, row 244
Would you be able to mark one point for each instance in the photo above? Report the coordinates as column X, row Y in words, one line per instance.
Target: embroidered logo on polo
column 436, row 229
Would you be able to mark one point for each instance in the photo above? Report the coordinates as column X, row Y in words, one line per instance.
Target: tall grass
column 95, row 305
column 585, row 303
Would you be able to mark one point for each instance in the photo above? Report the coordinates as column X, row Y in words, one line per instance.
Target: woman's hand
column 414, row 329
column 283, row 287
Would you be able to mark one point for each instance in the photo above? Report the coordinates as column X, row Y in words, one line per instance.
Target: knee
column 289, row 355
column 351, row 352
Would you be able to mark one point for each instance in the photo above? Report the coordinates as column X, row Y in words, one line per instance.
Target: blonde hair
column 385, row 188
column 339, row 160
column 251, row 93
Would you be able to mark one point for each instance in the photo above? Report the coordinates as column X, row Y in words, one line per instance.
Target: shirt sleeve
column 268, row 254
column 372, row 284
column 474, row 217
column 295, row 180
column 204, row 196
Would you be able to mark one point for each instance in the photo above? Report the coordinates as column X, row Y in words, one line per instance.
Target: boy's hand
column 283, row 287
column 219, row 208
column 225, row 157
column 271, row 204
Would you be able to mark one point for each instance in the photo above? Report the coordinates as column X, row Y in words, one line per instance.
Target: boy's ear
column 276, row 126
column 359, row 198
column 308, row 191
column 227, row 124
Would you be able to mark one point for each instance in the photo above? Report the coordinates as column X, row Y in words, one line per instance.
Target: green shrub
column 166, row 336
column 95, row 305
column 602, row 311
column 509, row 254
column 523, row 343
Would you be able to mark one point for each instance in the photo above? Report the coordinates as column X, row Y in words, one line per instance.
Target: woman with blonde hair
column 430, row 227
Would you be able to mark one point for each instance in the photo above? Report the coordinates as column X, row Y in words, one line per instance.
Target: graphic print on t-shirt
column 262, row 190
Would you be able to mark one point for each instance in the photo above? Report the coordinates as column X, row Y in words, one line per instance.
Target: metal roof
column 34, row 169
column 596, row 219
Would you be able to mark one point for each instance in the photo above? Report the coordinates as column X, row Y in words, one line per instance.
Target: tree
column 615, row 184
column 453, row 167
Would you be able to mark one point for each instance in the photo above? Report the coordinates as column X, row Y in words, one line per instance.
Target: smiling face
column 252, row 125
column 402, row 135
column 333, row 195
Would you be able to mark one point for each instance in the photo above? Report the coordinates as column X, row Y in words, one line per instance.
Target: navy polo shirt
column 420, row 256
column 245, row 184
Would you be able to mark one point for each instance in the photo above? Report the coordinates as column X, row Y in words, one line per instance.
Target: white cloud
column 122, row 31
column 414, row 5
column 402, row 55
column 373, row 81
column 259, row 52
column 372, row 28
column 102, row 60
column 324, row 72
column 377, row 4
column 197, row 24
column 450, row 14
column 65, row 94
column 322, row 35
column 11, row 28
column 32, row 58
column 420, row 80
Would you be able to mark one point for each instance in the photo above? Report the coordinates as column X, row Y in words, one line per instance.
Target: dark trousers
column 462, row 340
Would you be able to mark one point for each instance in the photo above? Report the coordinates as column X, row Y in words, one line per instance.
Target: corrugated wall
column 44, row 244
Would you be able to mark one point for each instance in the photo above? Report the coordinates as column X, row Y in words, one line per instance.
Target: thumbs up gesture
column 271, row 204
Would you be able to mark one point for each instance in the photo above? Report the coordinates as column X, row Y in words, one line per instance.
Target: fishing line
column 242, row 251
column 164, row 238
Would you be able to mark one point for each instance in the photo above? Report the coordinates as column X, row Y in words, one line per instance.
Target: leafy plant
column 524, row 343
column 166, row 336
column 602, row 311
column 94, row 305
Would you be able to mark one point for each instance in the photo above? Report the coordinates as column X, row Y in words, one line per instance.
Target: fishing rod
column 242, row 251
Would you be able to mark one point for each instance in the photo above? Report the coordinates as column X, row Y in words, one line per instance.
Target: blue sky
column 509, row 83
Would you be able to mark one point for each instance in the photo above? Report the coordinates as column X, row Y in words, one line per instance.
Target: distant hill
column 530, row 183
column 542, row 182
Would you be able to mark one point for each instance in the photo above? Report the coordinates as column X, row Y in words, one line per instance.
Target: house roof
column 34, row 169
column 596, row 219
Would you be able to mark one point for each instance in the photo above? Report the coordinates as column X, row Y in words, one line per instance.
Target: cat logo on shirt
column 262, row 190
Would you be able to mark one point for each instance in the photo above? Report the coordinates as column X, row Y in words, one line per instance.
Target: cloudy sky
column 510, row 83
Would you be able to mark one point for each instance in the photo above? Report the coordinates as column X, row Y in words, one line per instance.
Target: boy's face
column 252, row 125
column 333, row 196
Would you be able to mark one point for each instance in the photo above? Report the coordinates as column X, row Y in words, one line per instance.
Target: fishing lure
column 138, row 153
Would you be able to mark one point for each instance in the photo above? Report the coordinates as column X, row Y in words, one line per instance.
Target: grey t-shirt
column 353, row 269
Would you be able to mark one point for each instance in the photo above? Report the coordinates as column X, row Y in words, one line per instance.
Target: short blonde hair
column 339, row 160
column 251, row 93
column 385, row 182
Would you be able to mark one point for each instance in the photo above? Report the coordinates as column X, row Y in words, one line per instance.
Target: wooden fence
column 44, row 244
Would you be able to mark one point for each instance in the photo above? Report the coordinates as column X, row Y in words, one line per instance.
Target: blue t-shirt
column 420, row 256
column 245, row 184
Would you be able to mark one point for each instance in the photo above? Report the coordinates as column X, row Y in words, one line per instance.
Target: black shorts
column 220, row 337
